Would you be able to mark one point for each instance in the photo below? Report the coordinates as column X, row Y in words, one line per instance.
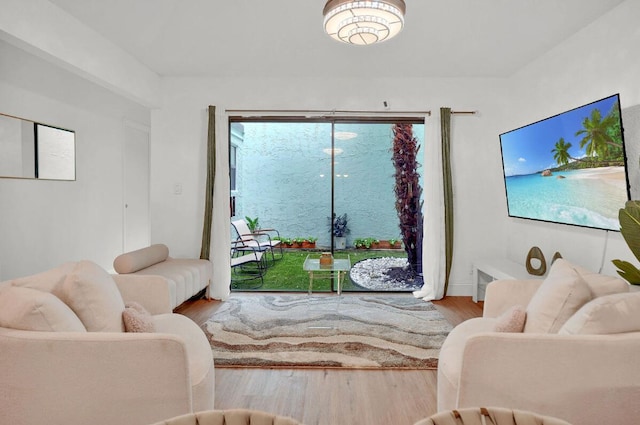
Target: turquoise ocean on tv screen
column 590, row 197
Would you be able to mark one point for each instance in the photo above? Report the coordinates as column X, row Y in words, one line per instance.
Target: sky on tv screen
column 526, row 150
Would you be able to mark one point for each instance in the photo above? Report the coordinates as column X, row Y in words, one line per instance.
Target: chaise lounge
column 186, row 277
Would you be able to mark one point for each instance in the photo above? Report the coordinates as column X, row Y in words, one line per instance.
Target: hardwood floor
column 333, row 396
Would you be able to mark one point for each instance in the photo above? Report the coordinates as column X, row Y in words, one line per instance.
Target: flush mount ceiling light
column 363, row 22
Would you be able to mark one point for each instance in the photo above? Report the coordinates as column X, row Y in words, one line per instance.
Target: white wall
column 600, row 60
column 45, row 223
column 179, row 141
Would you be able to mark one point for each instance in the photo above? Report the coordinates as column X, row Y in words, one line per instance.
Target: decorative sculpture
column 536, row 253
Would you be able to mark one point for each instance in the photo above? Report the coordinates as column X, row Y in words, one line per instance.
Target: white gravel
column 371, row 274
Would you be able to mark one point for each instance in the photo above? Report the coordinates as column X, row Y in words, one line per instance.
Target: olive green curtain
column 445, row 131
column 205, row 250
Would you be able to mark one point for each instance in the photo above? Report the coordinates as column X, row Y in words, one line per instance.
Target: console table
column 486, row 271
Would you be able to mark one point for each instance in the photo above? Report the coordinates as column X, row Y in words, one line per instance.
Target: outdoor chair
column 258, row 239
column 247, row 263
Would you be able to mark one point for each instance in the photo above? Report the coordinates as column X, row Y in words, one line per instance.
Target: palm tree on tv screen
column 599, row 133
column 561, row 152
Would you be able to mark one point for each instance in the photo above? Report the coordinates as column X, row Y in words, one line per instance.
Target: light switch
column 177, row 189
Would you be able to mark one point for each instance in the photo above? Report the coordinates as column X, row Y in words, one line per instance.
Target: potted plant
column 339, row 229
column 365, row 243
column 629, row 217
column 297, row 242
column 284, row 242
column 394, row 244
column 309, row 242
column 358, row 243
column 252, row 223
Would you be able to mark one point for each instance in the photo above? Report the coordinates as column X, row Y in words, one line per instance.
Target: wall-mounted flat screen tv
column 569, row 168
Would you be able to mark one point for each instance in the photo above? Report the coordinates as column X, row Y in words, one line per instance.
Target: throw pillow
column 28, row 309
column 611, row 314
column 48, row 280
column 137, row 318
column 511, row 320
column 601, row 284
column 561, row 294
column 131, row 262
column 93, row 295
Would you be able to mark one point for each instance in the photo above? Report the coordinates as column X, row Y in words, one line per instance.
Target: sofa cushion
column 186, row 276
column 137, row 318
column 561, row 294
column 93, row 295
column 512, row 320
column 33, row 310
column 601, row 284
column 47, row 281
column 131, row 262
column 610, row 314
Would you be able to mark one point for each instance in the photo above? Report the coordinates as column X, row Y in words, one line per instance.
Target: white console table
column 485, row 271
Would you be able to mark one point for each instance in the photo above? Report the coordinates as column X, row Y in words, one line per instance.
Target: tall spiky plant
column 408, row 191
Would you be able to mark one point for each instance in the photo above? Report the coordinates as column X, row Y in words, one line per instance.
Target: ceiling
column 259, row 38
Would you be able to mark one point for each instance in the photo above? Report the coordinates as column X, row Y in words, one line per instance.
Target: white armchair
column 581, row 369
column 52, row 370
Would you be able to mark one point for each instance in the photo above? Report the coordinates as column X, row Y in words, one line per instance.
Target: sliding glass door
column 294, row 175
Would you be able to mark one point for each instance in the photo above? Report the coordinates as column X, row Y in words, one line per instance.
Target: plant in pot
column 309, row 242
column 338, row 226
column 297, row 242
column 252, row 223
column 284, row 242
column 365, row 243
column 629, row 218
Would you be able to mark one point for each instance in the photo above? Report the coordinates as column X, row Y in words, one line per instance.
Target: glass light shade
column 363, row 22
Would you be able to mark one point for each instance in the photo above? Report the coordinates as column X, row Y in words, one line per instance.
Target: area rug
column 348, row 331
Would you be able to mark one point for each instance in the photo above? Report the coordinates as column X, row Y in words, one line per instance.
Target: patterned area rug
column 350, row 331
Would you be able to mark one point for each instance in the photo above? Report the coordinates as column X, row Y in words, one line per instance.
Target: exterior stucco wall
column 284, row 179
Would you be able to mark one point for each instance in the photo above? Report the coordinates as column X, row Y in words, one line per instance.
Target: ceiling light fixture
column 363, row 22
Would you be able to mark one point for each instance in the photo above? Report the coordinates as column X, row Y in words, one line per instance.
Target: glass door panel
column 364, row 190
column 283, row 178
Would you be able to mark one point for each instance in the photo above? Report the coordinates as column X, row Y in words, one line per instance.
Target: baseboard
column 460, row 289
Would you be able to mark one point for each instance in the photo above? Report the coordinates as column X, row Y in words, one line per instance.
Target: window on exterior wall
column 236, row 140
column 232, row 166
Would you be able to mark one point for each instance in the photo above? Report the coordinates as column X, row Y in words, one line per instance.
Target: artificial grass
column 287, row 273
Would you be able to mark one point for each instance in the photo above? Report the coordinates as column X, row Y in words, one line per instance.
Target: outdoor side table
column 340, row 266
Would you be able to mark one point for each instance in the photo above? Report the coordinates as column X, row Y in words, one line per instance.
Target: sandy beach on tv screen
column 611, row 175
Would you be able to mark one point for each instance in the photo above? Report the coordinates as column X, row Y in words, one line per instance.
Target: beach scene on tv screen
column 569, row 168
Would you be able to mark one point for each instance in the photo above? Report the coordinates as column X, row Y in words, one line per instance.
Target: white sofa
column 66, row 357
column 186, row 276
column 574, row 357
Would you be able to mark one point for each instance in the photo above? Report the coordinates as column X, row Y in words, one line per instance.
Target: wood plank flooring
column 333, row 396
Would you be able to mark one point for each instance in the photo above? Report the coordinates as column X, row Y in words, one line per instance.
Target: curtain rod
column 334, row 111
column 318, row 111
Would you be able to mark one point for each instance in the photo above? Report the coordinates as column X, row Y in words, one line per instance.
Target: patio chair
column 247, row 264
column 260, row 239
